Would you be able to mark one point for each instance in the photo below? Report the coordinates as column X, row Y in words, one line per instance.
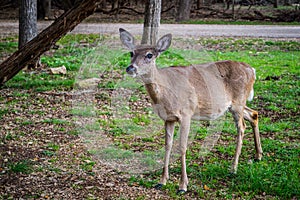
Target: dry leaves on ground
column 42, row 157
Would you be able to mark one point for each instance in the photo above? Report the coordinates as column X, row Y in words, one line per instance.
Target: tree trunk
column 44, row 40
column 287, row 2
column 175, row 3
column 184, row 10
column 28, row 21
column 276, row 3
column 28, row 26
column 198, row 4
column 233, row 12
column 44, row 9
column 151, row 21
column 103, row 4
column 115, row 4
column 47, row 8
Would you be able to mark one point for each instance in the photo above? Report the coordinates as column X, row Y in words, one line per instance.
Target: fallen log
column 44, row 40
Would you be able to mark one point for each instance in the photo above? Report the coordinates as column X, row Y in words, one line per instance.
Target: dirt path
column 180, row 30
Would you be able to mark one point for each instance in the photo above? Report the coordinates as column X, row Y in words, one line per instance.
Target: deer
column 180, row 94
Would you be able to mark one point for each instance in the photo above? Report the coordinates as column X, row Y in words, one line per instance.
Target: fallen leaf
column 206, row 187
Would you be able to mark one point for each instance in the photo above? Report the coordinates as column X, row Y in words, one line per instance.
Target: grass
column 56, row 121
column 8, row 46
column 277, row 97
column 23, row 166
column 269, row 177
column 69, row 55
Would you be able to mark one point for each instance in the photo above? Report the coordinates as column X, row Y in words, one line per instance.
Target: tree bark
column 184, row 10
column 44, row 40
column 198, row 4
column 44, row 9
column 151, row 21
column 28, row 26
column 287, row 3
column 47, row 8
column 28, row 21
column 233, row 12
column 276, row 3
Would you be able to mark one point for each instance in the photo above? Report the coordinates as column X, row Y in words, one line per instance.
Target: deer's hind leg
column 183, row 141
column 252, row 116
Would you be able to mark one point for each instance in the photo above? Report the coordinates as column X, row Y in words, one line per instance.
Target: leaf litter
column 60, row 165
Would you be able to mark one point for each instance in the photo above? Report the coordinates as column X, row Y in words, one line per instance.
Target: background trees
column 179, row 10
column 44, row 9
column 184, row 10
column 151, row 21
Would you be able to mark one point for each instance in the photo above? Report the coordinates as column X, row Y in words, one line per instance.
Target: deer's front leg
column 184, row 132
column 169, row 129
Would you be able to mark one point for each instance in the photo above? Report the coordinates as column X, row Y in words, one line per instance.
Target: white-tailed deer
column 200, row 92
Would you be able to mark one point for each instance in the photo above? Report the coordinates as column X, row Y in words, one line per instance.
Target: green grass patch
column 87, row 164
column 48, row 153
column 51, row 147
column 56, row 121
column 8, row 47
column 72, row 51
column 41, row 82
column 3, row 111
column 23, row 166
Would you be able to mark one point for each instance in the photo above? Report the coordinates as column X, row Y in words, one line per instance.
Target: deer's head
column 143, row 56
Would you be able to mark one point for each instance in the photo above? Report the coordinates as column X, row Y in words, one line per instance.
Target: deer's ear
column 127, row 39
column 163, row 43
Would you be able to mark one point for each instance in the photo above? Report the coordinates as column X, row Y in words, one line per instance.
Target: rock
column 59, row 70
column 88, row 83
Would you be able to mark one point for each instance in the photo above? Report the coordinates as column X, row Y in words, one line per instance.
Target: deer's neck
column 151, row 77
column 152, row 84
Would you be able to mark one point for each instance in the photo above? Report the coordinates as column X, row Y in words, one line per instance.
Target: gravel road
column 182, row 30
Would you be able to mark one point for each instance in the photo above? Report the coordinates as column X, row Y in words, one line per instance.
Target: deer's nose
column 131, row 70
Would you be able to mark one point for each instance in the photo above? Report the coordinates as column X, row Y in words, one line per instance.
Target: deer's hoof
column 158, row 186
column 232, row 174
column 181, row 192
column 233, row 171
column 257, row 159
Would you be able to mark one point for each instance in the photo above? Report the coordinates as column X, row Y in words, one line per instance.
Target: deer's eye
column 149, row 55
column 131, row 54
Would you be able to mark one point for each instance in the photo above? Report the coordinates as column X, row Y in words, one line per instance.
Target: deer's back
column 234, row 76
column 210, row 89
